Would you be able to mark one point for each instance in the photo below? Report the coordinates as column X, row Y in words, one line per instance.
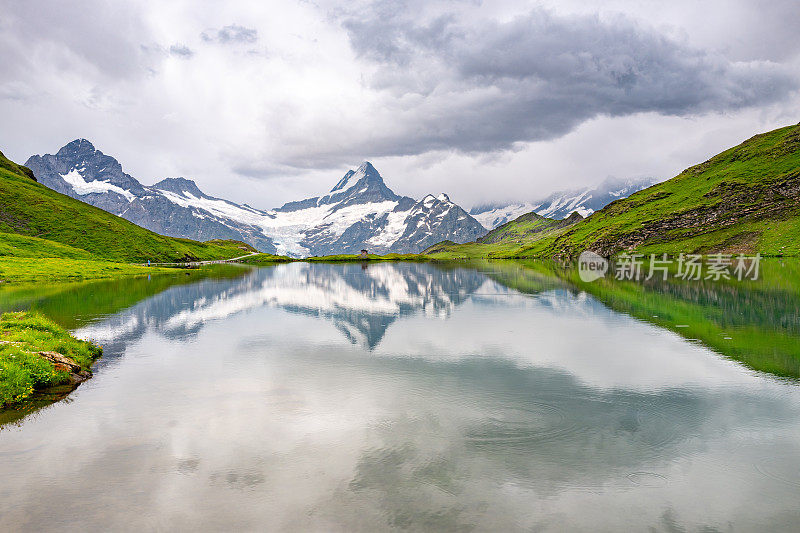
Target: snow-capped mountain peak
column 562, row 204
column 360, row 211
column 361, row 186
column 352, row 178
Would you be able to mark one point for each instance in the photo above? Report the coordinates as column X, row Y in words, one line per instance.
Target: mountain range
column 744, row 200
column 359, row 212
column 561, row 204
column 45, row 233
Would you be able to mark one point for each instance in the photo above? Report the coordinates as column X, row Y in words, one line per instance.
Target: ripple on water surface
column 647, row 479
column 514, row 427
column 785, row 469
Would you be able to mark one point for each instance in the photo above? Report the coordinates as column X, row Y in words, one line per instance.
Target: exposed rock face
column 360, row 211
column 436, row 219
column 82, row 172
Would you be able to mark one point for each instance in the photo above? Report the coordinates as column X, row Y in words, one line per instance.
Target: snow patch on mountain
column 491, row 217
column 360, row 211
column 214, row 206
column 290, row 228
column 82, row 187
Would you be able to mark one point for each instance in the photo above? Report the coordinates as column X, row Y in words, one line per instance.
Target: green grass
column 14, row 168
column 743, row 200
column 527, row 227
column 22, row 370
column 13, row 245
column 472, row 250
column 54, row 269
column 265, row 259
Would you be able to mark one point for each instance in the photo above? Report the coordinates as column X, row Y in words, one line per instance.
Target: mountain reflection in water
column 408, row 396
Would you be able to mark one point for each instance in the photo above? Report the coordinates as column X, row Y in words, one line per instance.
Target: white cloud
column 266, row 105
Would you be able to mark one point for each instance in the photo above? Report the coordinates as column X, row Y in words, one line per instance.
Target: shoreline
column 36, row 355
column 19, row 271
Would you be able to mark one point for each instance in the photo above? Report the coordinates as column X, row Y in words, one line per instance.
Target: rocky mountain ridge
column 360, row 211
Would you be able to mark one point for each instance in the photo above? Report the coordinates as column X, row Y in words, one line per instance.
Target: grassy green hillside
column 527, row 227
column 10, row 166
column 744, row 200
column 37, row 222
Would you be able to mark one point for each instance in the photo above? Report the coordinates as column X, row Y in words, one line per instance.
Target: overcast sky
column 265, row 102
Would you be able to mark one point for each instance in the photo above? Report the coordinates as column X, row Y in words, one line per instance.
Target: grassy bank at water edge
column 36, row 353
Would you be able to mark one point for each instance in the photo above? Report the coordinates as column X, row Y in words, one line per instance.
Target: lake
column 492, row 396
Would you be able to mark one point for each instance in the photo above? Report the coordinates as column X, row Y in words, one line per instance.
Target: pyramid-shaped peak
column 364, row 171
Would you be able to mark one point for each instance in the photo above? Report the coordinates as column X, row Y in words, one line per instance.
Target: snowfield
column 360, row 211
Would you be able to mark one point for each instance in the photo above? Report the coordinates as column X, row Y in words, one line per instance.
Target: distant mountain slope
column 526, row 227
column 562, row 204
column 360, row 211
column 173, row 207
column 504, row 239
column 36, row 221
column 743, row 200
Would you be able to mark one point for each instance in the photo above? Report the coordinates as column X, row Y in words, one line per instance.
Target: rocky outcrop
column 62, row 363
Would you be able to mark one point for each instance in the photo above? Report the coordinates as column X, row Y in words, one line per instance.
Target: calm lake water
column 405, row 396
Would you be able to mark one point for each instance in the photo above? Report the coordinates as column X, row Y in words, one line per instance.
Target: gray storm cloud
column 485, row 85
column 275, row 101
